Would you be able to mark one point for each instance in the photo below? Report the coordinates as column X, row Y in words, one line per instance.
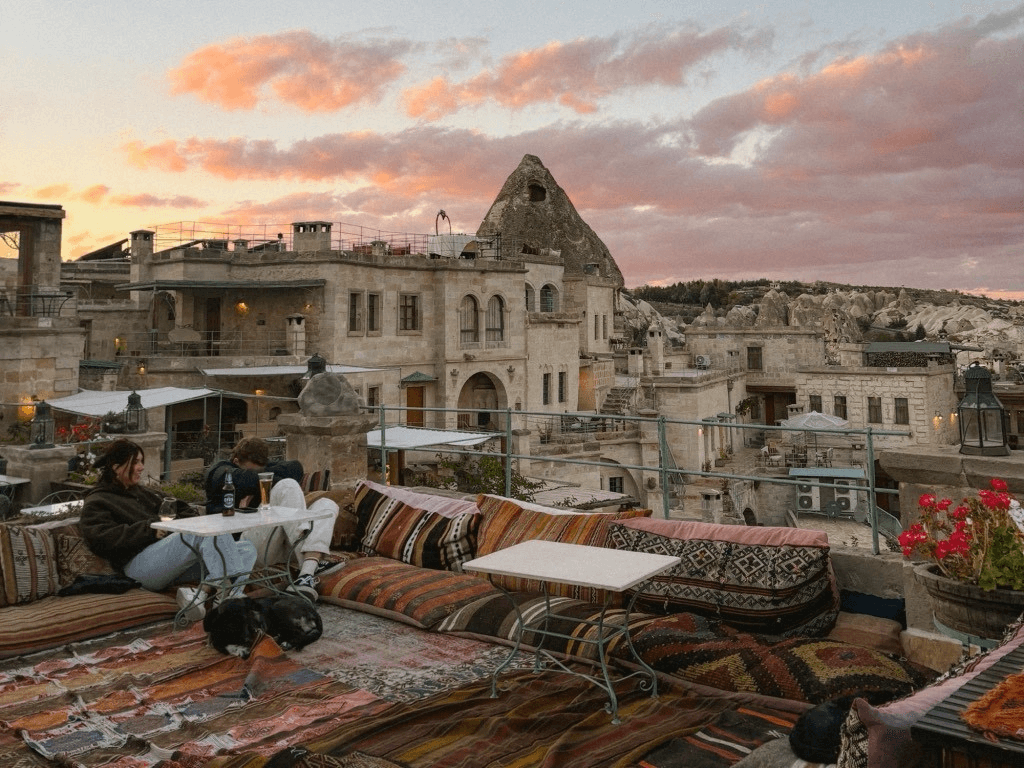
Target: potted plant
column 971, row 559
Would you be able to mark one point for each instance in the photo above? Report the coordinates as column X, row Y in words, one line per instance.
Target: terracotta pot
column 967, row 608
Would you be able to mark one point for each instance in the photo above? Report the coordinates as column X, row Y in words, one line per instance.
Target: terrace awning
column 198, row 285
column 281, row 370
column 408, row 438
column 92, row 403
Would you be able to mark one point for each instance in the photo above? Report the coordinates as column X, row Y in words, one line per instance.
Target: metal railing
column 33, row 301
column 206, row 344
column 670, row 475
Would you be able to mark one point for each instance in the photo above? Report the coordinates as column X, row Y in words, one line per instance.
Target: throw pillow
column 767, row 586
column 421, row 538
column 28, row 564
column 74, row 558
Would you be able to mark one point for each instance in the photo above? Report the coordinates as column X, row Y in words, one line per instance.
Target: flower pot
column 967, row 608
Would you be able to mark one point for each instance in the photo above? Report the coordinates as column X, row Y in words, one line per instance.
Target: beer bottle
column 229, row 495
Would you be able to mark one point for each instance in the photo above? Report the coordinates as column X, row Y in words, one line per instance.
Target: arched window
column 531, row 302
column 469, row 320
column 548, row 298
column 495, row 319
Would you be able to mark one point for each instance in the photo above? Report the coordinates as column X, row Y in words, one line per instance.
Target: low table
column 611, row 570
column 240, row 522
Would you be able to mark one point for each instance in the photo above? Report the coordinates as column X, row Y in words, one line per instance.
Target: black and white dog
column 236, row 624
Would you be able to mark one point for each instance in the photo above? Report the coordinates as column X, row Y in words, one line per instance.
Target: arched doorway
column 485, row 395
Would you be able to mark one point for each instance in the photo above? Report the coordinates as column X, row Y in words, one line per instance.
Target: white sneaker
column 192, row 603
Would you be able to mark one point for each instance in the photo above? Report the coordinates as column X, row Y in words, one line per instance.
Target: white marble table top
column 613, row 569
column 214, row 525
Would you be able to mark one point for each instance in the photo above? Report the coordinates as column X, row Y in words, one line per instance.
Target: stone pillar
column 41, row 466
column 635, row 362
column 336, row 442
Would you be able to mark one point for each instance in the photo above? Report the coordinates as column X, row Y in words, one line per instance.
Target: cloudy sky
column 879, row 142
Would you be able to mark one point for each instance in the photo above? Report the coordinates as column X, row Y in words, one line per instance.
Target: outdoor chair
column 59, row 497
column 771, row 456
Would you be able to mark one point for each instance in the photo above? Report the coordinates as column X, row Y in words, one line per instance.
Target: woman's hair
column 251, row 449
column 117, row 453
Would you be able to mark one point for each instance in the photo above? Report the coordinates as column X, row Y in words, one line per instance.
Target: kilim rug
column 159, row 697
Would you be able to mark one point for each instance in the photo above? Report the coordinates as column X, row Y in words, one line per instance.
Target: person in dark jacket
column 116, row 523
column 250, row 456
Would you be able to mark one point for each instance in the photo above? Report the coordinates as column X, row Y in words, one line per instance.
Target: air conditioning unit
column 844, row 497
column 808, row 498
column 703, row 362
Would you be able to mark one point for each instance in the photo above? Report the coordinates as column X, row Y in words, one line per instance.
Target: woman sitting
column 116, row 523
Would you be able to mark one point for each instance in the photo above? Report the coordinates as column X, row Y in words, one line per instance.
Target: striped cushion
column 316, row 481
column 771, row 587
column 421, row 538
column 507, row 522
column 55, row 621
column 418, row 596
column 28, row 564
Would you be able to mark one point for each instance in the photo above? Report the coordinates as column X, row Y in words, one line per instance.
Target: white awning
column 407, row 438
column 280, row 370
column 90, row 403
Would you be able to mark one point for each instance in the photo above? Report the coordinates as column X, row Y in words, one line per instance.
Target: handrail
column 668, row 471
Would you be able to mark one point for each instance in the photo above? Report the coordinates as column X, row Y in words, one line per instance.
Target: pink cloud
column 155, row 201
column 298, row 68
column 579, row 73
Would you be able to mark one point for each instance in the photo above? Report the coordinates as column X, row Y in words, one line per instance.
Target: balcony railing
column 33, row 301
column 199, row 344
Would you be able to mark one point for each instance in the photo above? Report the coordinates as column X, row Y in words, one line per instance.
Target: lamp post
column 41, row 435
column 135, row 414
column 981, row 416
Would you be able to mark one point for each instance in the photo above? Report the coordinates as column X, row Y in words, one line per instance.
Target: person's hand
column 246, row 502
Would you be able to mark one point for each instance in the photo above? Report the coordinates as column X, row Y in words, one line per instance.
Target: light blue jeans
column 170, row 559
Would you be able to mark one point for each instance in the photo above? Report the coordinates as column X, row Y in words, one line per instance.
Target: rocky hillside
column 850, row 314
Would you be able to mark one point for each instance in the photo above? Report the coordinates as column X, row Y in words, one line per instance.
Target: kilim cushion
column 56, row 621
column 28, row 564
column 507, row 522
column 421, row 538
column 760, row 580
column 74, row 558
column 806, row 669
column 418, row 596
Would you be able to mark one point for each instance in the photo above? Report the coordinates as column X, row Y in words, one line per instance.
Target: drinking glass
column 266, row 480
column 168, row 508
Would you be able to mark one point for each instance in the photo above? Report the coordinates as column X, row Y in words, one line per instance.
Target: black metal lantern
column 41, row 435
column 316, row 364
column 981, row 416
column 135, row 414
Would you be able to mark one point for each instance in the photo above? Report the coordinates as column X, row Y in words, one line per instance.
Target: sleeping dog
column 236, row 624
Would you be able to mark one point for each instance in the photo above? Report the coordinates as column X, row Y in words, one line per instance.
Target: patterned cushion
column 75, row 558
column 421, row 538
column 56, row 621
column 507, row 522
column 799, row 668
column 418, row 596
column 28, row 564
column 316, row 481
column 771, row 587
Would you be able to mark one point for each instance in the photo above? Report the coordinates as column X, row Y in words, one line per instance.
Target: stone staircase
column 619, row 401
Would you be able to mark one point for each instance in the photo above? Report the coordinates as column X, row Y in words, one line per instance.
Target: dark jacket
column 115, row 521
column 247, row 482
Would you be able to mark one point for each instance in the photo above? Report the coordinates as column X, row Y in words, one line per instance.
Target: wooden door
column 415, row 398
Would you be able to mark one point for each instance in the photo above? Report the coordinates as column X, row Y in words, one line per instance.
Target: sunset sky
column 877, row 143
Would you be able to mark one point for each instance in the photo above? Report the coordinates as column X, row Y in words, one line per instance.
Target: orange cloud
column 163, row 156
column 95, row 193
column 52, row 192
column 299, row 68
column 579, row 73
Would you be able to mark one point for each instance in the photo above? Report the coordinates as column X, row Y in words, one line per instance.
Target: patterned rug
column 164, row 697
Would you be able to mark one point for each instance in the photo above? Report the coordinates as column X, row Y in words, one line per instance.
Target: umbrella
column 813, row 420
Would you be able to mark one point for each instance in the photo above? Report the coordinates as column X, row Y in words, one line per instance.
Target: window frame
column 563, row 386
column 755, row 354
column 545, row 394
column 356, row 313
column 469, row 321
column 495, row 334
column 374, row 312
column 410, row 313
column 814, row 403
column 874, row 410
column 901, row 410
column 840, row 407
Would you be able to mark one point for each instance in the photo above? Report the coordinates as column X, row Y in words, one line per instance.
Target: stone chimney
column 311, row 236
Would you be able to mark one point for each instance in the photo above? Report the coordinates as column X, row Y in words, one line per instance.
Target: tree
column 920, row 333
column 483, row 473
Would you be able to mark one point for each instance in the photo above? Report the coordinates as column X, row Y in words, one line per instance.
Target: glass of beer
column 266, row 480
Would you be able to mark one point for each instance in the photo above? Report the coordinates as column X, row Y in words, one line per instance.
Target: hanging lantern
column 135, row 414
column 316, row 364
column 41, row 435
column 981, row 416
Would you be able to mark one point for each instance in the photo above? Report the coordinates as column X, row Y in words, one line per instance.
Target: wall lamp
column 454, row 372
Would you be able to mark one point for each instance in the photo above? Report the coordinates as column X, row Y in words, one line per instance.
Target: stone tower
column 534, row 216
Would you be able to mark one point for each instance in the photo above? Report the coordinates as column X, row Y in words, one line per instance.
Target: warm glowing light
column 26, row 410
column 242, row 308
column 260, row 391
